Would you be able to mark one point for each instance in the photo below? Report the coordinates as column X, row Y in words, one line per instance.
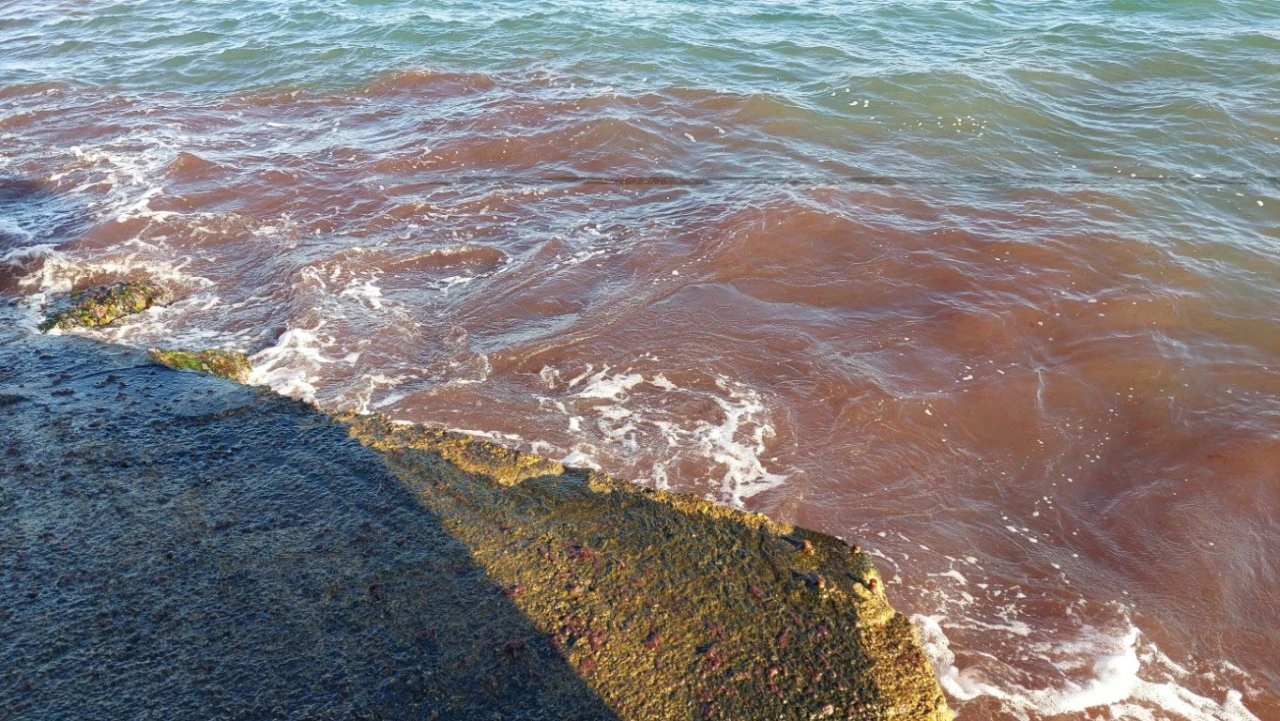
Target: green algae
column 104, row 305
column 231, row 365
column 670, row 606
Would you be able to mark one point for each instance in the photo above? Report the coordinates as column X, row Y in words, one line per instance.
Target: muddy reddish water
column 1048, row 402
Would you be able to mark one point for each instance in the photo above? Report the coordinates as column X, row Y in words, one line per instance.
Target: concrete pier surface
column 177, row 545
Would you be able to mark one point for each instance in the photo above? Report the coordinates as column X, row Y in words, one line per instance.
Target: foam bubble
column 289, row 367
column 648, row 430
column 1113, row 661
column 611, row 387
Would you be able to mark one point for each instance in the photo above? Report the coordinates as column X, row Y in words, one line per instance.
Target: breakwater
column 207, row 549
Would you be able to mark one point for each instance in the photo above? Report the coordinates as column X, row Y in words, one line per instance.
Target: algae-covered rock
column 505, row 466
column 669, row 606
column 104, row 305
column 229, row 364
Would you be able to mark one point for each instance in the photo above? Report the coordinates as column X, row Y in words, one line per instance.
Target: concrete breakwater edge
column 177, row 545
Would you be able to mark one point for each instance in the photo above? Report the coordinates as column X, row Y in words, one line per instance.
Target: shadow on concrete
column 176, row 546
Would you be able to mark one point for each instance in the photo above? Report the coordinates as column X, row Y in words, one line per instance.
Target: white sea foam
column 365, row 291
column 59, row 272
column 550, row 376
column 738, row 441
column 582, row 456
column 583, row 256
column 291, row 365
column 141, row 208
column 25, row 315
column 661, row 381
column 359, row 396
column 123, row 166
column 1113, row 662
column 18, row 256
column 165, row 326
column 10, row 227
column 636, row 420
column 50, row 271
column 613, row 387
column 495, row 436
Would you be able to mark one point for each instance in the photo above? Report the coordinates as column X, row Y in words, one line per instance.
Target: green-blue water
column 1054, row 85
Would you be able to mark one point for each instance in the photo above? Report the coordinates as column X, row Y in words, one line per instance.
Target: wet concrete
column 174, row 545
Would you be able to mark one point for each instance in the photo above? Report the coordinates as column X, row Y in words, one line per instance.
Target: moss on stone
column 106, row 304
column 232, row 365
column 670, row 606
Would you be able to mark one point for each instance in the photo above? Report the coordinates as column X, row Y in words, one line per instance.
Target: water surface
column 986, row 287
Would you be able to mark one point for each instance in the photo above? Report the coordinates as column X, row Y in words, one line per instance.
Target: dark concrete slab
column 176, row 546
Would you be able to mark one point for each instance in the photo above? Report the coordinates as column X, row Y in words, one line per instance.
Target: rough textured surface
column 104, row 305
column 176, row 546
column 229, row 364
column 668, row 605
column 208, row 550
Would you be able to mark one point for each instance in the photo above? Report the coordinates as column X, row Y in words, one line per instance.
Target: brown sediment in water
column 246, row 556
column 1050, row 411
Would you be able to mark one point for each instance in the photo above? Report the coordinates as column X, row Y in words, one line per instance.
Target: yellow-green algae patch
column 232, row 365
column 668, row 606
column 104, row 305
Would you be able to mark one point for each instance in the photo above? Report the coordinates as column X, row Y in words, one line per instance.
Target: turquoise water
column 1053, row 87
column 1172, row 100
column 988, row 287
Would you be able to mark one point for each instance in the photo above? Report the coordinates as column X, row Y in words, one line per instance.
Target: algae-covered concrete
column 177, row 546
column 104, row 305
column 670, row 606
column 174, row 545
column 232, row 365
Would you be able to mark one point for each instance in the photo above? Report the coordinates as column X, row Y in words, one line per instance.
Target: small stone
column 105, row 305
column 231, row 365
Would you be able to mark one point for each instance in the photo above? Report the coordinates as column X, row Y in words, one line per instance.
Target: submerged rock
column 105, row 305
column 209, row 550
column 232, row 365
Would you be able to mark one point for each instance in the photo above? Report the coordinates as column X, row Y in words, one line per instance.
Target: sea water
column 987, row 287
